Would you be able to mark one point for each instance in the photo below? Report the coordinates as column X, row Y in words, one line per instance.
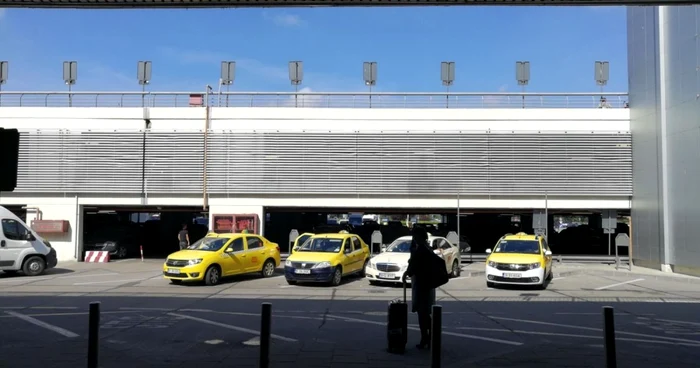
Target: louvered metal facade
column 258, row 163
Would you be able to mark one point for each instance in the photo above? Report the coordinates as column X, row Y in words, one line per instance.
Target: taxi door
column 547, row 259
column 233, row 259
column 349, row 255
column 255, row 253
column 449, row 253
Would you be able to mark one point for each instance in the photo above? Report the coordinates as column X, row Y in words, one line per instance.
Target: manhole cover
column 376, row 291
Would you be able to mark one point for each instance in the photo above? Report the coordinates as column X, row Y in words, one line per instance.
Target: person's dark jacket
column 420, row 265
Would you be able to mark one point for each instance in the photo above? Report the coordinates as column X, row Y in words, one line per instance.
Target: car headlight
column 492, row 264
column 322, row 265
column 372, row 265
column 193, row 262
column 287, row 263
column 403, row 268
column 534, row 266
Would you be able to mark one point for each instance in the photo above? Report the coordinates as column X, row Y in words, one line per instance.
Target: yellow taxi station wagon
column 519, row 259
column 221, row 255
column 327, row 258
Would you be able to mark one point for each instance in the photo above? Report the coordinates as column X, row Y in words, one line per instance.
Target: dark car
column 120, row 240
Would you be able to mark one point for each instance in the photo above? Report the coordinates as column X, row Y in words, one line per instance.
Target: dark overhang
column 161, row 4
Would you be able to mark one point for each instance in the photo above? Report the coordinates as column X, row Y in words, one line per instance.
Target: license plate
column 302, row 272
column 386, row 276
column 512, row 275
column 173, row 270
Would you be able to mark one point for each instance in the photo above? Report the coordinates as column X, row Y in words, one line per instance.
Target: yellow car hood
column 515, row 258
column 186, row 254
column 312, row 257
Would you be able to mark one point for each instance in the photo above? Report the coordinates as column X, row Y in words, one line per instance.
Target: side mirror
column 228, row 250
column 548, row 253
column 29, row 237
column 295, row 249
column 488, row 251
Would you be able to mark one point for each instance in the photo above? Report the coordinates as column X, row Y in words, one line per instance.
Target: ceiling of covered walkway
column 106, row 4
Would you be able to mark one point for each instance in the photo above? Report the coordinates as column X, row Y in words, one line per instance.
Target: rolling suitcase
column 397, row 326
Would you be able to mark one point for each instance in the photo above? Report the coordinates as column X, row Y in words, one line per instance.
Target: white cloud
column 284, row 20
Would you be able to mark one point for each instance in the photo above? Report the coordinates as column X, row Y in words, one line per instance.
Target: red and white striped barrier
column 96, row 256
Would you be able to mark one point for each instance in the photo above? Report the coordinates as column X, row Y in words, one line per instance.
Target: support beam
column 164, row 4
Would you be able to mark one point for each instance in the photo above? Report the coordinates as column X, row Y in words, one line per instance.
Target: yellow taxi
column 327, row 258
column 519, row 259
column 221, row 255
column 301, row 239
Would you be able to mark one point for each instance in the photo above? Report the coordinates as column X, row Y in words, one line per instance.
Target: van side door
column 14, row 240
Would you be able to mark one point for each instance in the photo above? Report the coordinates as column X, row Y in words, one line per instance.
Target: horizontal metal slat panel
column 174, row 162
column 81, row 162
column 401, row 164
column 326, row 163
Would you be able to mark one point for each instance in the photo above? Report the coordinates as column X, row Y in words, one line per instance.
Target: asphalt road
column 146, row 322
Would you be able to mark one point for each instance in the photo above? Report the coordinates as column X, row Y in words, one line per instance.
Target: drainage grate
column 376, row 291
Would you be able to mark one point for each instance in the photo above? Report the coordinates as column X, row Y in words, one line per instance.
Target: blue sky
column 187, row 46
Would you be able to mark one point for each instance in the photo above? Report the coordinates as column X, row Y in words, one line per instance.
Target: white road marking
column 577, row 336
column 36, row 322
column 596, row 329
column 54, row 308
column 147, row 309
column 287, row 286
column 230, row 327
column 66, row 314
column 600, row 314
column 444, row 332
column 28, row 279
column 258, row 314
column 558, row 278
column 2, row 308
column 618, row 284
column 678, row 322
column 106, row 282
column 460, row 278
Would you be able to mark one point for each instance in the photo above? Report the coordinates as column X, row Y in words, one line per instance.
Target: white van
column 21, row 249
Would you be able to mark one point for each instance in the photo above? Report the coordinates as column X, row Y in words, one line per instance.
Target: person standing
column 183, row 237
column 420, row 270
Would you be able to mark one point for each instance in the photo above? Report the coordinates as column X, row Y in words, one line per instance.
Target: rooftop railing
column 379, row 100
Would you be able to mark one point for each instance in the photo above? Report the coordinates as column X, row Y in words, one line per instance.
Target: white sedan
column 390, row 265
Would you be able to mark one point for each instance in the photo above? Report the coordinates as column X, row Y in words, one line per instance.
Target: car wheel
column 291, row 282
column 490, row 284
column 363, row 273
column 212, row 276
column 456, row 270
column 122, row 252
column 268, row 268
column 542, row 286
column 337, row 276
column 550, row 275
column 34, row 266
column 176, row 282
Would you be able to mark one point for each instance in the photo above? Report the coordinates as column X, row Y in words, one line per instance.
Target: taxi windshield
column 209, row 244
column 518, row 246
column 400, row 246
column 321, row 245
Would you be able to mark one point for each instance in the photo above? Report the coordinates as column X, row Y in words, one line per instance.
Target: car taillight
column 278, row 248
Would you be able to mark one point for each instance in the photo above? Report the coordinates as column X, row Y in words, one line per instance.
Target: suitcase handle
column 404, row 287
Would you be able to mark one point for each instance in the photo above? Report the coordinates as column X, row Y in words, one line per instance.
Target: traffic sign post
column 609, row 225
column 622, row 240
column 377, row 240
column 539, row 222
